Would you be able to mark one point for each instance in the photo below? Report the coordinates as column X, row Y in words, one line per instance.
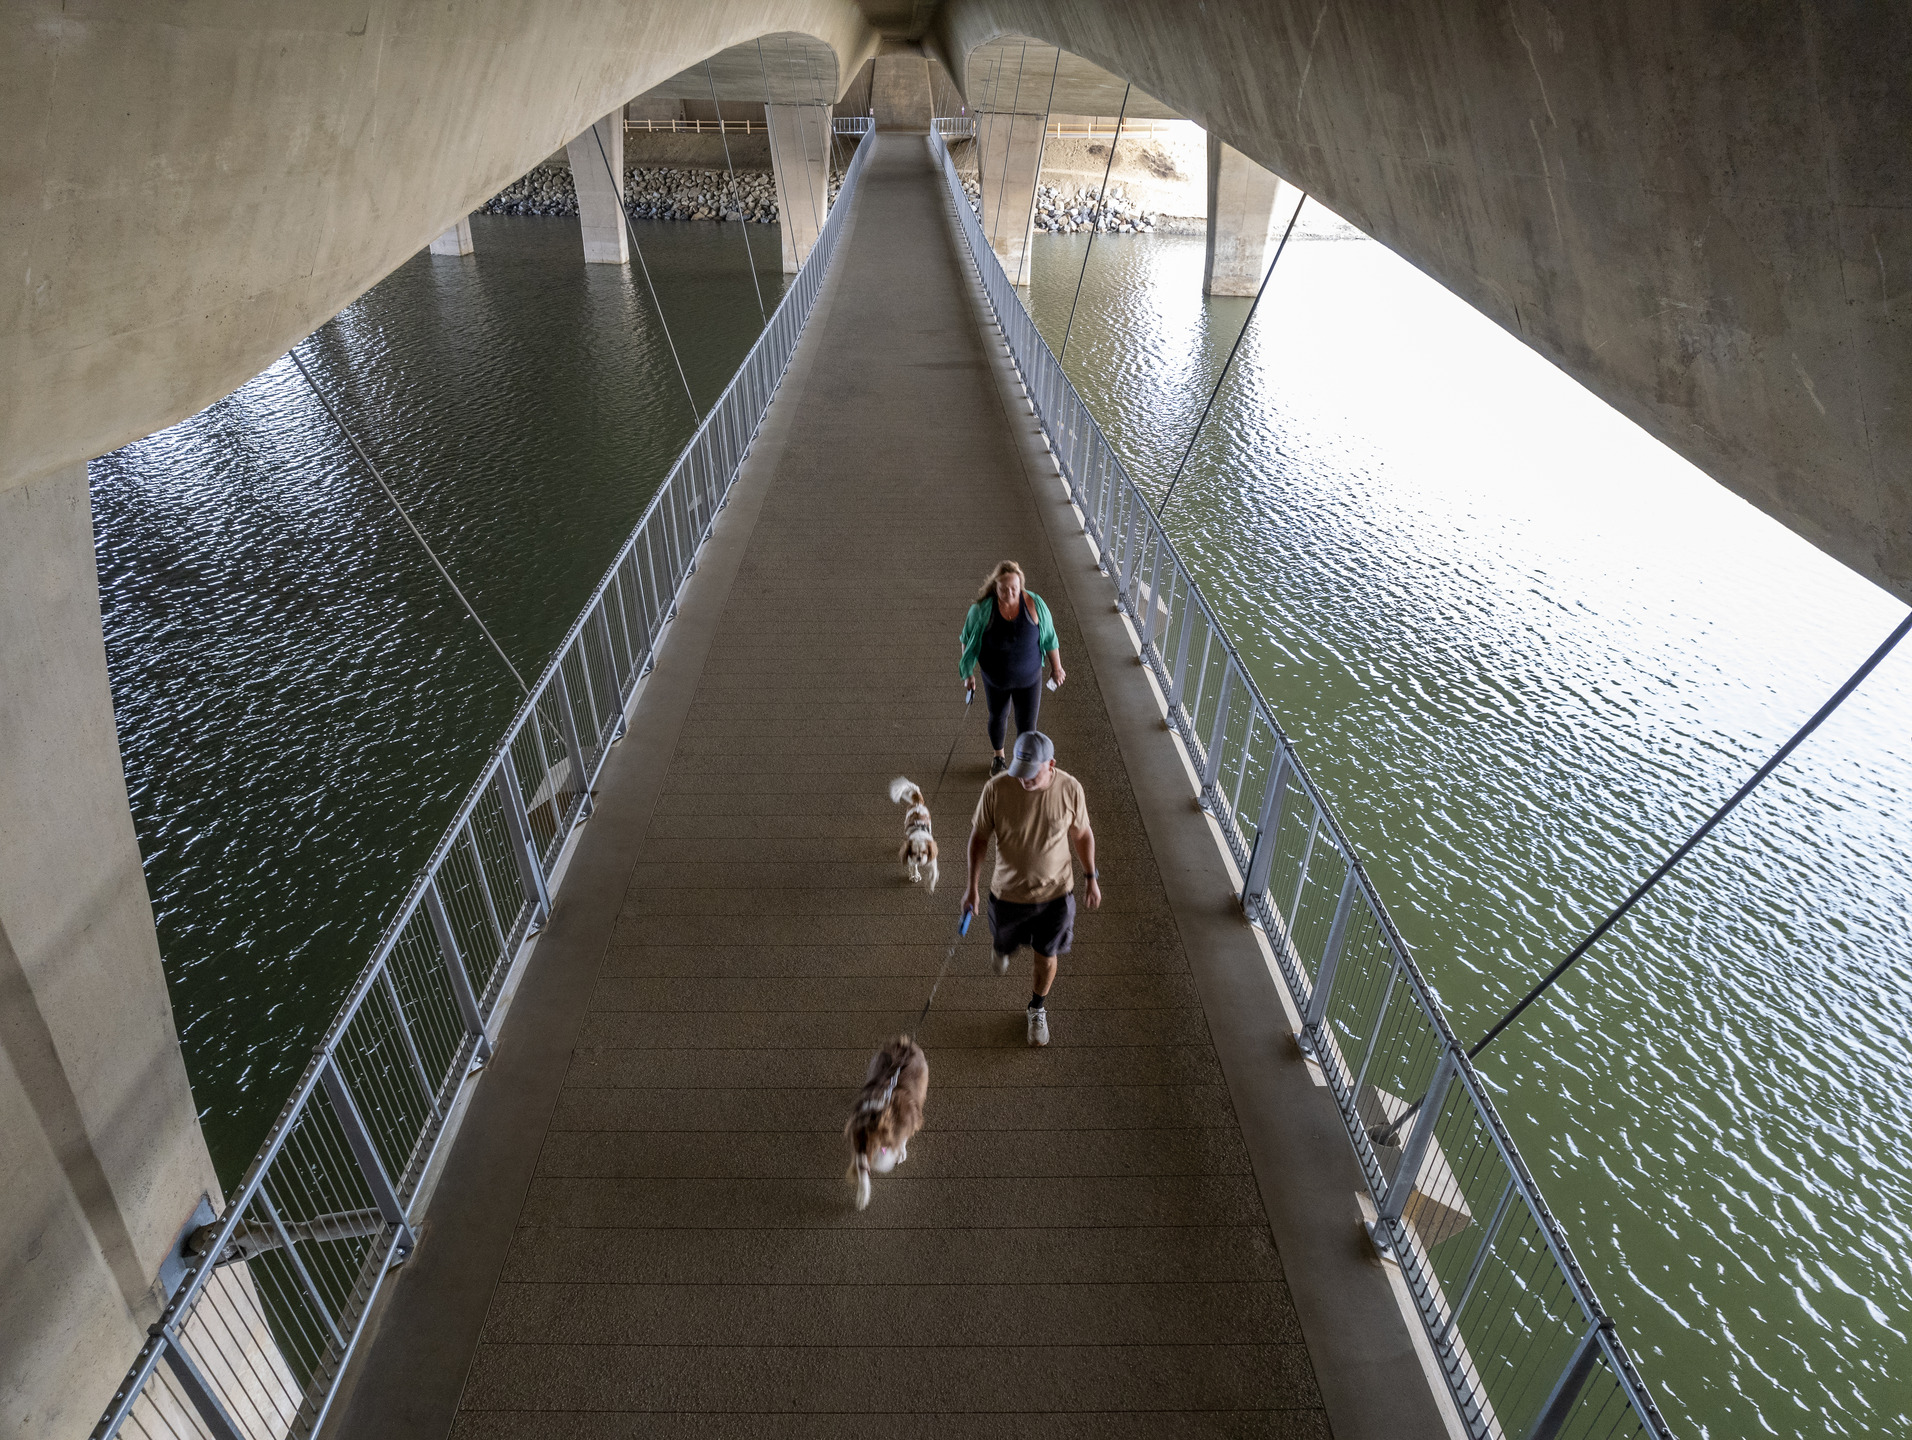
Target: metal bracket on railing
column 1317, row 1010
column 346, row 1110
column 1553, row 1415
column 455, row 974
column 1267, row 829
column 570, row 718
column 199, row 1394
column 530, row 872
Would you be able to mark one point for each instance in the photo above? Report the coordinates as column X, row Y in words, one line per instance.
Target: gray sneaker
column 1002, row 963
column 1038, row 1025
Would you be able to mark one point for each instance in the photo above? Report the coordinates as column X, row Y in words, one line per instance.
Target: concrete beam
column 600, row 197
column 101, row 1159
column 1247, row 207
column 188, row 192
column 1009, row 161
column 455, row 241
column 800, row 160
column 1704, row 218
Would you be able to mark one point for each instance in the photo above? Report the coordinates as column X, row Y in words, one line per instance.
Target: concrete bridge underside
column 1148, row 1228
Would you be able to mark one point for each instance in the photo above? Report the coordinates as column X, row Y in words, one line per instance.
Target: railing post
column 570, row 718
column 1212, row 761
column 198, row 1392
column 298, row 1266
column 1566, row 1391
column 405, row 1030
column 530, row 871
column 1330, row 961
column 1414, row 1149
column 455, row 972
column 1267, row 828
column 346, row 1110
column 1189, row 611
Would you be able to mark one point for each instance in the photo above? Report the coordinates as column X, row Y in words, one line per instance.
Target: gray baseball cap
column 1033, row 751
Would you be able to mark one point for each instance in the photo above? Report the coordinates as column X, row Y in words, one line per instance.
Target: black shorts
column 1047, row 927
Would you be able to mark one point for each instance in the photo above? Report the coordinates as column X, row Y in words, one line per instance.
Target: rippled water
column 1526, row 649
column 301, row 701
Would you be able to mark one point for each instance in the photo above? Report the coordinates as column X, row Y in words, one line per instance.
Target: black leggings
column 1028, row 699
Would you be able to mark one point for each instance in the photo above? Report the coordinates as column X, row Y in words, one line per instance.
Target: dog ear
column 932, row 849
column 903, row 851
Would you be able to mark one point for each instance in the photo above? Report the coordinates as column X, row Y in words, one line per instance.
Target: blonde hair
column 1008, row 567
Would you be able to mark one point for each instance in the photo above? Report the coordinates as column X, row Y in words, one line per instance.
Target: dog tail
column 903, row 788
column 859, row 1176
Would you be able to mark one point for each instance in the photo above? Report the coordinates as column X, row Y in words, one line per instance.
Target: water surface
column 1526, row 649
column 301, row 701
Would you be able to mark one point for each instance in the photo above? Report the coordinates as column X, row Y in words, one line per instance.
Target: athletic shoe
column 1002, row 963
column 997, row 766
column 1038, row 1025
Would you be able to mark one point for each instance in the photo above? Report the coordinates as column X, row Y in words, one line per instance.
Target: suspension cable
column 1042, row 146
column 617, row 196
column 1189, row 449
column 1385, row 1134
column 732, row 170
column 416, row 533
column 1095, row 224
column 1008, row 144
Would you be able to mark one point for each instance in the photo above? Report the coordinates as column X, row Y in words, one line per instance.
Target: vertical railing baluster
column 569, row 718
column 1317, row 1010
column 1267, row 827
column 518, row 821
column 425, row 1086
column 359, row 1140
column 1218, row 733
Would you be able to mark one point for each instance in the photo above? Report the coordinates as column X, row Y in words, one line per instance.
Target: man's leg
column 1045, row 976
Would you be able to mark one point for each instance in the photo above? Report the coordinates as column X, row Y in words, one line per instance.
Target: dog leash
column 962, row 928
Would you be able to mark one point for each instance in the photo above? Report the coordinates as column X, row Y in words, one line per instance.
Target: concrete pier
column 800, row 159
column 900, row 95
column 600, row 202
column 457, row 240
column 1009, row 156
column 101, row 1159
column 1148, row 1228
column 1247, row 206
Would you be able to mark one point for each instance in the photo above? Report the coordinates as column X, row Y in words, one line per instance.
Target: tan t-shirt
column 1031, row 829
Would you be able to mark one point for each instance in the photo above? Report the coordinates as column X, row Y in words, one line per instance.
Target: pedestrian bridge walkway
column 1149, row 1228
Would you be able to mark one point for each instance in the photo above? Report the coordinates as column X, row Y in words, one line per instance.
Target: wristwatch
column 1093, row 873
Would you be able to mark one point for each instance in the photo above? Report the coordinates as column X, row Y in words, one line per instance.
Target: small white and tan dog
column 919, row 846
column 887, row 1113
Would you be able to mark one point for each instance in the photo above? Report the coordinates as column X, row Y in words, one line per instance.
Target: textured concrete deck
column 643, row 1227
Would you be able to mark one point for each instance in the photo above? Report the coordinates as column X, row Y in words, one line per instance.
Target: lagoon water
column 1527, row 649
column 302, row 703
column 1523, row 647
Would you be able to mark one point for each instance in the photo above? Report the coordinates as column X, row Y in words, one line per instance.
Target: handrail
column 253, row 1342
column 1520, row 1339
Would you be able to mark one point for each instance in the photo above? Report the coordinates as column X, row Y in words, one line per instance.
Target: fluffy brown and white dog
column 919, row 846
column 887, row 1113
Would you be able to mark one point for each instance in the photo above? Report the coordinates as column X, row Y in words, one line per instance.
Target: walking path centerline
column 1148, row 1228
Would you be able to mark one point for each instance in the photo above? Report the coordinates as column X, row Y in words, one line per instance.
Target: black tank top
column 1011, row 655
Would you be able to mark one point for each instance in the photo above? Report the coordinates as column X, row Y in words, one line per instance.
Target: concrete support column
column 1247, row 205
column 455, row 241
column 600, row 202
column 900, row 93
column 1009, row 154
column 800, row 160
column 101, row 1157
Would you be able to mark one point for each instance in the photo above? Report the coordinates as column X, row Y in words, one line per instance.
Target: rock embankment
column 655, row 193
column 1065, row 211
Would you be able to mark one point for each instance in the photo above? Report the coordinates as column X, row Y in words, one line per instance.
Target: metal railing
column 254, row 1340
column 699, row 127
column 853, row 124
column 1526, row 1350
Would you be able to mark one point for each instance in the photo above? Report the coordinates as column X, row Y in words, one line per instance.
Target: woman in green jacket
column 1007, row 638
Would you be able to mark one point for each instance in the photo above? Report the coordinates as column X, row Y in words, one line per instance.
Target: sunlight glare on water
column 1526, row 649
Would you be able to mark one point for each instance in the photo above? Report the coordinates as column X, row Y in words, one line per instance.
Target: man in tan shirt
column 1035, row 813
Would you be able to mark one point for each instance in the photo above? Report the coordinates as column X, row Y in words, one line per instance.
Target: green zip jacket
column 977, row 621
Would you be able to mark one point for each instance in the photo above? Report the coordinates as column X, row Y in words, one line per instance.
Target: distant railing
column 252, row 1344
column 1525, row 1349
column 700, row 127
column 958, row 127
column 853, row 124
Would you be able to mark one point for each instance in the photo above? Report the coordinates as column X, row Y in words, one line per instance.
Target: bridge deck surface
column 644, row 1227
